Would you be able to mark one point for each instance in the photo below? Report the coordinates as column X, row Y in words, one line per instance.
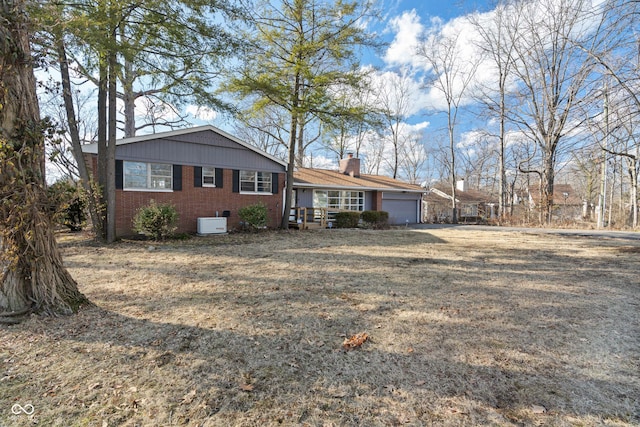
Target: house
column 348, row 189
column 472, row 205
column 567, row 203
column 203, row 171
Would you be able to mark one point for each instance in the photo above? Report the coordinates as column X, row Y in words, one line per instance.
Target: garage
column 402, row 207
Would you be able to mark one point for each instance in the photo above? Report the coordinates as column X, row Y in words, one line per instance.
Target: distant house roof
column 93, row 148
column 563, row 194
column 324, row 178
column 438, row 192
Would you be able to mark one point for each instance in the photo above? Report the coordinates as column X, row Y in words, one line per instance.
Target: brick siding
column 195, row 202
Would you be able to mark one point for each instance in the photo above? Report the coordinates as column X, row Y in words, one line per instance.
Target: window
column 147, row 176
column 208, row 177
column 334, row 199
column 469, row 210
column 255, row 182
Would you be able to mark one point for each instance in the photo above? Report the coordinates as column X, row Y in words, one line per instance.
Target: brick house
column 348, row 189
column 203, row 171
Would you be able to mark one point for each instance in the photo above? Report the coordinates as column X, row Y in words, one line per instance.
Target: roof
column 563, row 194
column 93, row 148
column 325, row 178
column 440, row 192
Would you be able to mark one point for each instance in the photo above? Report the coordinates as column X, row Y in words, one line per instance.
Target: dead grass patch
column 463, row 328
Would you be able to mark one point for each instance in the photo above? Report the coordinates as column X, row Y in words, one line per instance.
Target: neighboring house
column 472, row 205
column 348, row 189
column 202, row 171
column 567, row 204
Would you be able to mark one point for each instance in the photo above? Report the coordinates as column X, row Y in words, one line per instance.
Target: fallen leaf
column 246, row 387
column 188, row 398
column 355, row 341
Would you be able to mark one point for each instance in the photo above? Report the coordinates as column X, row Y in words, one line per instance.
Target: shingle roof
column 559, row 191
column 469, row 196
column 324, row 178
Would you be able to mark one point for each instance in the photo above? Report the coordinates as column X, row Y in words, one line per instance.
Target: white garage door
column 401, row 210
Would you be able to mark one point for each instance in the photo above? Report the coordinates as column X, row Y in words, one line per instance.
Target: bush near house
column 156, row 221
column 347, row 219
column 377, row 220
column 254, row 215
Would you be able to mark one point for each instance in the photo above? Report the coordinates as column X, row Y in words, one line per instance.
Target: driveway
column 599, row 234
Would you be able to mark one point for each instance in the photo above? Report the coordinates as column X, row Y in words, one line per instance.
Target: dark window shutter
column 236, row 181
column 274, row 182
column 177, row 177
column 219, row 180
column 119, row 175
column 197, row 176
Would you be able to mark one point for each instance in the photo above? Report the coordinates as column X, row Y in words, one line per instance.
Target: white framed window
column 208, row 176
column 336, row 199
column 147, row 176
column 469, row 210
column 255, row 182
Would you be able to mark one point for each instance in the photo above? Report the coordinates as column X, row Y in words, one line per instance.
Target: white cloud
column 410, row 31
column 399, row 91
column 402, row 50
column 202, row 113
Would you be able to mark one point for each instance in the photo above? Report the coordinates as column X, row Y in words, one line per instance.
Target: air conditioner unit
column 214, row 225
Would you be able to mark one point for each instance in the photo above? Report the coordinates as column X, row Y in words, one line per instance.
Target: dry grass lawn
column 464, row 328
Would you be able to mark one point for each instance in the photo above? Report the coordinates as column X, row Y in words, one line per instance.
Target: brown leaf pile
column 355, row 341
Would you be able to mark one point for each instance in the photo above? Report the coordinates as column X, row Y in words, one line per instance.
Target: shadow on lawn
column 303, row 375
column 473, row 353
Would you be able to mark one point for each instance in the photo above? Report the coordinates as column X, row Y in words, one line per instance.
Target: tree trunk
column 129, row 100
column 33, row 276
column 633, row 171
column 111, row 146
column 293, row 132
column 102, row 141
column 548, row 177
column 74, row 134
column 452, row 152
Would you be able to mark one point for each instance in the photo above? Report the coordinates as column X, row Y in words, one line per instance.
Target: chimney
column 350, row 166
column 462, row 185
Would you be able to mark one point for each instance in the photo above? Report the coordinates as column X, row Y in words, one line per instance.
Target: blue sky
column 429, row 8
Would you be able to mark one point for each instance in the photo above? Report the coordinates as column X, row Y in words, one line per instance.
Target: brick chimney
column 350, row 166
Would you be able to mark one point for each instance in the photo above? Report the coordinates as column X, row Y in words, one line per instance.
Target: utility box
column 214, row 225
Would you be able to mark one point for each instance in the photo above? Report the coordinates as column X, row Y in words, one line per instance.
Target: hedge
column 347, row 219
column 375, row 219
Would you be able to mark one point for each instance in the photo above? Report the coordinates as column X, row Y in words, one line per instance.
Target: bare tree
column 452, row 76
column 413, row 158
column 265, row 129
column 498, row 49
column 393, row 100
column 552, row 78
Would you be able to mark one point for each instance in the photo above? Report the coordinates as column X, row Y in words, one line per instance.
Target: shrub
column 254, row 215
column 347, row 219
column 156, row 221
column 375, row 219
column 69, row 202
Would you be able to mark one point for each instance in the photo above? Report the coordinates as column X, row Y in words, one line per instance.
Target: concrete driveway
column 599, row 234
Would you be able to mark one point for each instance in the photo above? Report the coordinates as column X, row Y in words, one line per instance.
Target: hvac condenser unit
column 216, row 225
